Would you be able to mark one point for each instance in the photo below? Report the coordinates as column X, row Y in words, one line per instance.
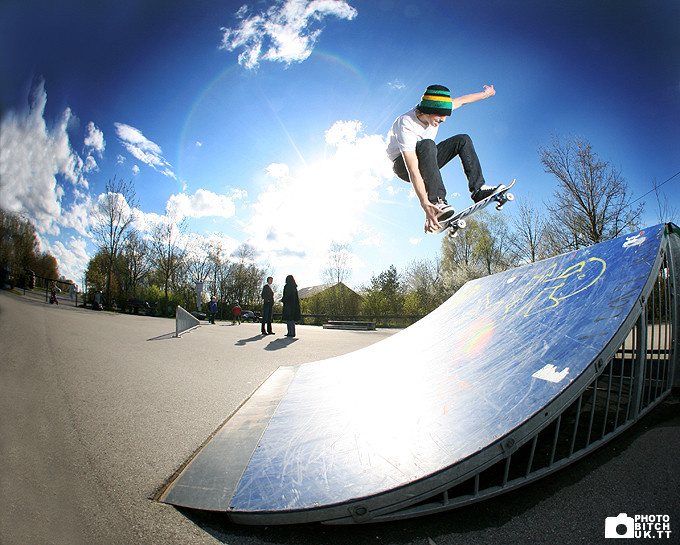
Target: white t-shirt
column 406, row 132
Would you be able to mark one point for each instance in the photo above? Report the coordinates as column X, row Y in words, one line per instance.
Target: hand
column 431, row 213
column 489, row 91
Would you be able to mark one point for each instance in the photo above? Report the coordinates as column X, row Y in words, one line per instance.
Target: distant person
column 97, row 301
column 267, row 307
column 212, row 309
column 417, row 159
column 54, row 289
column 237, row 313
column 291, row 305
column 73, row 291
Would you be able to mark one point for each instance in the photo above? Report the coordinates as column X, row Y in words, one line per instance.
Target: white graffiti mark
column 549, row 373
column 634, row 240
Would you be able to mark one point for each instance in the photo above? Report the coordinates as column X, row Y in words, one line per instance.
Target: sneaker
column 484, row 192
column 446, row 210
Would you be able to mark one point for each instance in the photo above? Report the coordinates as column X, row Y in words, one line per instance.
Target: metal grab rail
column 184, row 321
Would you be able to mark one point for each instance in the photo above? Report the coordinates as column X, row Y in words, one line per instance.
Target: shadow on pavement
column 243, row 342
column 278, row 344
column 163, row 337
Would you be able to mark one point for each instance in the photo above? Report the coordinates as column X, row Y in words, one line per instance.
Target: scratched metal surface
column 424, row 399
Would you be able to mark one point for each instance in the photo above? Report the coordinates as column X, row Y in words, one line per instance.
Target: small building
column 330, row 299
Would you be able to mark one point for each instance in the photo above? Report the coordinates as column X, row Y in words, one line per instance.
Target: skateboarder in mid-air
column 417, row 159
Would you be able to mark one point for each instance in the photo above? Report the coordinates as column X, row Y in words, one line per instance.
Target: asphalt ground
column 98, row 410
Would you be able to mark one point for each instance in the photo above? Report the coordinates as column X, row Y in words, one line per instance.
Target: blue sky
column 264, row 122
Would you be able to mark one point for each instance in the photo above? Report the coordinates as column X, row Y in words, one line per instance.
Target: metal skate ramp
column 515, row 376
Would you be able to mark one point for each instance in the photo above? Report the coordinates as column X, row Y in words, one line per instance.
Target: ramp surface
column 375, row 427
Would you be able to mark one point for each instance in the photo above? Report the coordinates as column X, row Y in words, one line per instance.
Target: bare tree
column 530, row 242
column 199, row 260
column 337, row 270
column 592, row 202
column 338, row 265
column 136, row 259
column 112, row 218
column 168, row 249
column 243, row 277
column 666, row 212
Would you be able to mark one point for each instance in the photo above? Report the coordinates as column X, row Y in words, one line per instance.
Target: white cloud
column 286, row 32
column 342, row 131
column 200, row 204
column 95, row 139
column 392, row 190
column 145, row 222
column 35, row 162
column 199, row 243
column 396, row 84
column 78, row 215
column 278, row 170
column 239, row 194
column 72, row 257
column 299, row 214
column 90, row 164
column 143, row 149
column 373, row 241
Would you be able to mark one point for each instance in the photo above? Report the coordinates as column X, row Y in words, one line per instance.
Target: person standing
column 267, row 307
column 97, row 300
column 237, row 313
column 212, row 308
column 291, row 305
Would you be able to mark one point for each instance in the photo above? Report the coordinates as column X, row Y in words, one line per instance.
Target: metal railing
column 184, row 321
column 623, row 388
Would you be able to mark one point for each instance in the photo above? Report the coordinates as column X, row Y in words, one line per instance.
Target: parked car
column 249, row 315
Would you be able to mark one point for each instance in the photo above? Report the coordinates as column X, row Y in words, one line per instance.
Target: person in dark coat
column 291, row 305
column 267, row 307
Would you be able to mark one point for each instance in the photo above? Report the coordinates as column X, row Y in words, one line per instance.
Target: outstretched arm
column 488, row 91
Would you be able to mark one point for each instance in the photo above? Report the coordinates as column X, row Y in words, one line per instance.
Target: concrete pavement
column 98, row 410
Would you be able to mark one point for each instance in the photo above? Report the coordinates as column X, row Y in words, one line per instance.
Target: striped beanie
column 436, row 100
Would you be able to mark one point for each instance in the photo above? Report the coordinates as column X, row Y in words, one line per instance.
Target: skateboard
column 499, row 197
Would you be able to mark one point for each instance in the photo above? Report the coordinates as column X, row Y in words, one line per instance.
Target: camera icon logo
column 622, row 526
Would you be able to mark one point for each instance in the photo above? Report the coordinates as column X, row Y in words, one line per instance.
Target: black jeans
column 433, row 157
column 267, row 316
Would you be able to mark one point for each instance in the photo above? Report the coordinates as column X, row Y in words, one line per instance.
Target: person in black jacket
column 267, row 307
column 291, row 305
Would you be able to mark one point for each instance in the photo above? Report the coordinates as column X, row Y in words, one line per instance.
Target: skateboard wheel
column 499, row 206
column 462, row 224
column 510, row 197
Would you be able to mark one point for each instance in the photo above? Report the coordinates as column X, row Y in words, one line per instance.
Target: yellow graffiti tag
column 573, row 281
